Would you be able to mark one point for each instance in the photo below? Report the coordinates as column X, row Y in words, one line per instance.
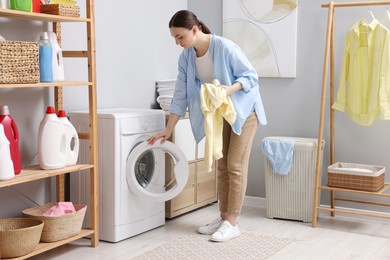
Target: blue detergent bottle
column 45, row 58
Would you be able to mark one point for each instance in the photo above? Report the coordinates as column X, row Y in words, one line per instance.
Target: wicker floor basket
column 356, row 176
column 291, row 196
column 57, row 228
column 61, row 9
column 19, row 236
column 19, row 62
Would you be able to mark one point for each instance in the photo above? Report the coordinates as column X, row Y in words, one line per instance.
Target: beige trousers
column 233, row 167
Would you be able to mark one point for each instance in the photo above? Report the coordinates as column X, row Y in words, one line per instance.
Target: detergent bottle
column 4, row 4
column 6, row 165
column 45, row 58
column 51, row 141
column 72, row 139
column 36, row 6
column 57, row 59
column 12, row 134
column 21, row 5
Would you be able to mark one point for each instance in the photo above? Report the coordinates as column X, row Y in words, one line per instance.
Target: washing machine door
column 146, row 175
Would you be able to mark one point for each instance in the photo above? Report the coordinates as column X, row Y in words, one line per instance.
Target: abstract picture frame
column 266, row 31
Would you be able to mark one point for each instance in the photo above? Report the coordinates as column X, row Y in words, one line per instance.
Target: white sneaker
column 211, row 227
column 225, row 232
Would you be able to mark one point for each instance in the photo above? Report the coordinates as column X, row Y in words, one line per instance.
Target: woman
column 206, row 57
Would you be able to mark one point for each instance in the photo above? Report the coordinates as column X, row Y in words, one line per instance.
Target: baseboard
column 255, row 202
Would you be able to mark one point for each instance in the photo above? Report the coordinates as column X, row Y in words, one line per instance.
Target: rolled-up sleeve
column 243, row 71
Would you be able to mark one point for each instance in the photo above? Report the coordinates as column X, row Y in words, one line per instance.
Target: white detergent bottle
column 57, row 59
column 51, row 141
column 72, row 139
column 6, row 164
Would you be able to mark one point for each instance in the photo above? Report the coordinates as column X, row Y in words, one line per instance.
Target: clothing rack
column 329, row 58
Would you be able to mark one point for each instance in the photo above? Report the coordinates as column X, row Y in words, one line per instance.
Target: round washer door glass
column 146, row 176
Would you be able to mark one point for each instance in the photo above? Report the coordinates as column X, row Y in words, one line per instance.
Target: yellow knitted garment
column 215, row 106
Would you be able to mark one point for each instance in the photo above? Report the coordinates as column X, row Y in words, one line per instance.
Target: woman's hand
column 227, row 89
column 163, row 134
column 167, row 131
column 233, row 88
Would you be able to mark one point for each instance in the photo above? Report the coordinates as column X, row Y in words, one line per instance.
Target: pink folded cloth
column 61, row 208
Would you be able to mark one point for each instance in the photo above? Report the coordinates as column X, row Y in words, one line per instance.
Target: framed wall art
column 266, row 30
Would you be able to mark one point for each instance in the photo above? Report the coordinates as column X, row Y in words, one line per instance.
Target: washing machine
column 133, row 186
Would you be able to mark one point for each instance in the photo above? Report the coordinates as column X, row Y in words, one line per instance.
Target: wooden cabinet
column 35, row 173
column 201, row 187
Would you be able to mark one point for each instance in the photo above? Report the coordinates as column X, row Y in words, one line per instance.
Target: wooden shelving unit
column 329, row 65
column 50, row 84
column 35, row 173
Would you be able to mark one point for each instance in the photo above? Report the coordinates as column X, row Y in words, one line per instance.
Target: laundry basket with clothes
column 290, row 171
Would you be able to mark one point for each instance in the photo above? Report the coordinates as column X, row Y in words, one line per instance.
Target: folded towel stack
column 165, row 89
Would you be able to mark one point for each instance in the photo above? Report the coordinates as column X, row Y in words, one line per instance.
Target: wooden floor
column 334, row 238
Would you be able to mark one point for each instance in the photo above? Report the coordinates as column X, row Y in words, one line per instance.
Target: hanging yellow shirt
column 364, row 85
column 215, row 106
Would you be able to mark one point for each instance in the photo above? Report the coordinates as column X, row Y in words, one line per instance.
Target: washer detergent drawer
column 144, row 124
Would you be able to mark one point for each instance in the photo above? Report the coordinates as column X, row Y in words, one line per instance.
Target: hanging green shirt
column 364, row 84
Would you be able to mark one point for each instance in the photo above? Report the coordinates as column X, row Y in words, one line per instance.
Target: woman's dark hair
column 187, row 19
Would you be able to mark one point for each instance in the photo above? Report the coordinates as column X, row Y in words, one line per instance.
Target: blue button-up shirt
column 230, row 66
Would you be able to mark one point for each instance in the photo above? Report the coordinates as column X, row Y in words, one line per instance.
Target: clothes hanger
column 386, row 19
column 371, row 13
column 367, row 20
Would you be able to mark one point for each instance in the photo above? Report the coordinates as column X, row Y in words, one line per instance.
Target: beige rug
column 196, row 246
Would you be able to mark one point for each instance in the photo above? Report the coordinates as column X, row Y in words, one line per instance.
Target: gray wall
column 134, row 49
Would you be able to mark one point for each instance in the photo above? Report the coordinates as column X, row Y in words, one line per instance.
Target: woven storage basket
column 291, row 196
column 19, row 62
column 57, row 228
column 19, row 236
column 61, row 9
column 356, row 176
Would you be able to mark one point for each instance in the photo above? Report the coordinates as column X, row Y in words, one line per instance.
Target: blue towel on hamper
column 279, row 153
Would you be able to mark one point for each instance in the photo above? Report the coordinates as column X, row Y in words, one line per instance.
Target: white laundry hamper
column 291, row 196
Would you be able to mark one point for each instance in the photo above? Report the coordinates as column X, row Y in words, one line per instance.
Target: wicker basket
column 19, row 62
column 291, row 196
column 57, row 228
column 61, row 9
column 356, row 176
column 19, row 236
